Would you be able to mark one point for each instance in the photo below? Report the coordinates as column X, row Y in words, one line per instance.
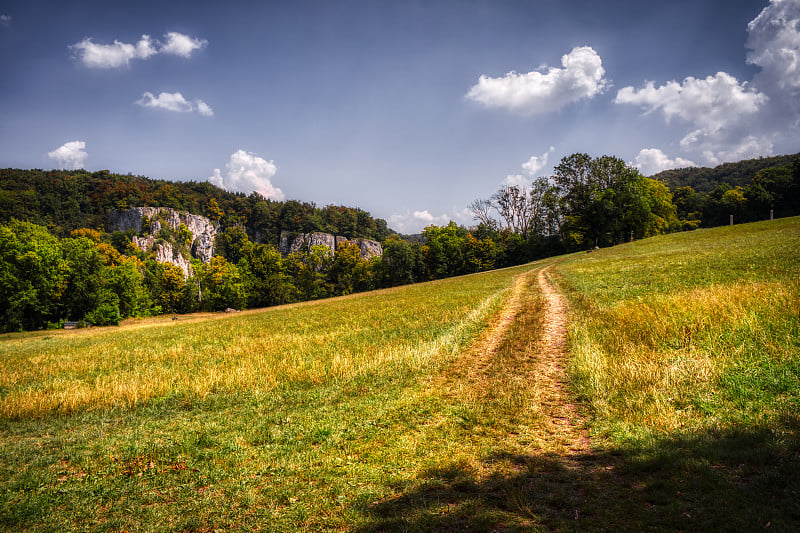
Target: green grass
column 383, row 412
column 293, row 418
column 689, row 331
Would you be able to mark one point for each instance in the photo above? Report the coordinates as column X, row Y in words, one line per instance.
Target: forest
column 58, row 263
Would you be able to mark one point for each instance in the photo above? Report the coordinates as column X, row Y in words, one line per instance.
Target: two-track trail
column 520, row 360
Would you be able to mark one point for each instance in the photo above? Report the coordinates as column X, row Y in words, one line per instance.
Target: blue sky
column 409, row 110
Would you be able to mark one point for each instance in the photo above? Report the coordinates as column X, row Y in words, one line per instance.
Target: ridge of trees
column 64, row 201
column 55, row 265
column 737, row 174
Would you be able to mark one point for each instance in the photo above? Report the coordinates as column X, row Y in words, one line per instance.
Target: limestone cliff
column 296, row 242
column 203, row 230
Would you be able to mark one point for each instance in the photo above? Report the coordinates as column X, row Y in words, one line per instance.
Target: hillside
column 433, row 407
column 64, row 201
column 705, row 180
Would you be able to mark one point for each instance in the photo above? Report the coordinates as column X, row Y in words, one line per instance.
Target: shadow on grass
column 745, row 480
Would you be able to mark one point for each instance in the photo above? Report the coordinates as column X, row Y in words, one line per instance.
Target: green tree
column 348, row 273
column 170, row 287
column 233, row 244
column 307, row 269
column 444, row 250
column 86, row 287
column 480, row 255
column 267, row 280
column 126, row 280
column 396, row 264
column 221, row 285
column 33, row 277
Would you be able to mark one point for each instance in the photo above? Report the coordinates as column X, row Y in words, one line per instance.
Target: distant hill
column 704, row 179
column 64, row 201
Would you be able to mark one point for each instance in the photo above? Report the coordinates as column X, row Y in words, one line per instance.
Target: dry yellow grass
column 667, row 345
column 394, row 330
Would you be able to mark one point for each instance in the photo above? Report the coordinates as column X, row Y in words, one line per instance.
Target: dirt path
column 521, row 357
column 566, row 424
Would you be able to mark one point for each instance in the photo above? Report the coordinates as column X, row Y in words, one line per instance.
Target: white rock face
column 204, row 231
column 304, row 242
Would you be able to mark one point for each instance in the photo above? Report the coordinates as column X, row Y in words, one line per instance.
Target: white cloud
column 182, row 45
column 774, row 44
column 536, row 163
column 71, row 155
column 722, row 111
column 5, row 20
column 732, row 120
column 711, row 103
column 530, row 168
column 748, row 148
column 517, row 180
column 549, row 90
column 652, row 161
column 204, row 109
column 174, row 102
column 119, row 54
column 115, row 55
column 246, row 172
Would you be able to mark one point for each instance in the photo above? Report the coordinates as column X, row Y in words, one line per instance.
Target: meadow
column 416, row 408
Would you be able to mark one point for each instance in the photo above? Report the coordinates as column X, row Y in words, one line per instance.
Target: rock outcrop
column 203, row 230
column 297, row 242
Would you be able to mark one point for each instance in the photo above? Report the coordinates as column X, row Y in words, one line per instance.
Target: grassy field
column 383, row 411
column 686, row 348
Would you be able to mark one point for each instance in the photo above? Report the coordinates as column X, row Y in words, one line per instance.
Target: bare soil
column 566, row 420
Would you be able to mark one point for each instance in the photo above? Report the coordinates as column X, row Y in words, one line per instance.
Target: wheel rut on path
column 565, row 421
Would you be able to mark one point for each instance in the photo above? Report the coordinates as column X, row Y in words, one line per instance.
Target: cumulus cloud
column 774, row 44
column 204, row 109
column 749, row 147
column 546, row 89
column 115, row 55
column 652, row 161
column 732, row 120
column 517, row 180
column 536, row 163
column 120, row 54
column 246, row 172
column 174, row 102
column 710, row 104
column 70, row 155
column 5, row 20
column 530, row 168
column 182, row 45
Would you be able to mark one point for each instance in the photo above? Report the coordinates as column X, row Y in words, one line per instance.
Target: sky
column 410, row 110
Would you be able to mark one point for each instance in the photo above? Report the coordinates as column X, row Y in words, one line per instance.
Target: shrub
column 105, row 314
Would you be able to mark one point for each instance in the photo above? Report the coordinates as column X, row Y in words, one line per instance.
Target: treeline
column 99, row 278
column 601, row 201
column 64, row 201
column 772, row 191
column 587, row 202
column 704, row 179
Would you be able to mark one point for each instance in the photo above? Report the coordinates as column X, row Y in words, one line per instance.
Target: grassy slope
column 289, row 418
column 687, row 350
column 379, row 412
